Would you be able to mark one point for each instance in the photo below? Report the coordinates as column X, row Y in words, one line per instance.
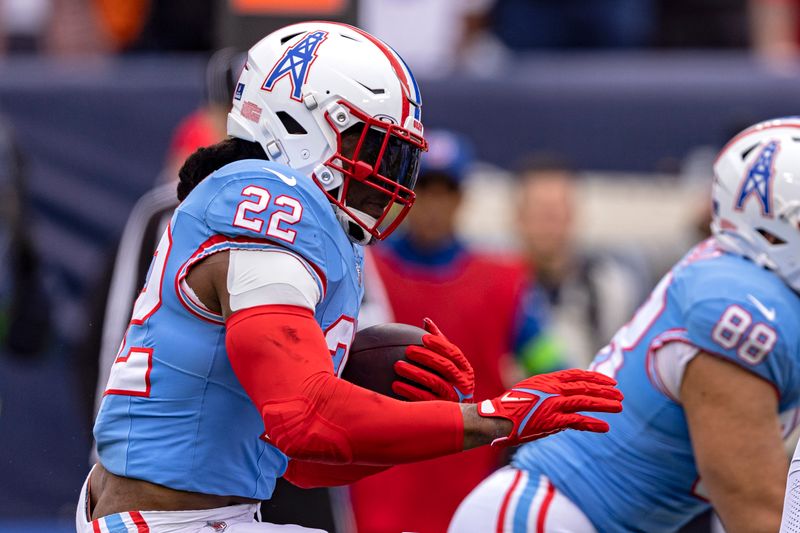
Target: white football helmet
column 340, row 106
column 756, row 197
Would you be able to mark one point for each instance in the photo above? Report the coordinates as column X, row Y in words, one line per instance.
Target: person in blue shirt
column 710, row 369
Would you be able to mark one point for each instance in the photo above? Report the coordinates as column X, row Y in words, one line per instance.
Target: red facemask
column 379, row 163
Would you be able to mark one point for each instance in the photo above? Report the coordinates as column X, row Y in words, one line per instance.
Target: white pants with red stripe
column 511, row 501
column 232, row 519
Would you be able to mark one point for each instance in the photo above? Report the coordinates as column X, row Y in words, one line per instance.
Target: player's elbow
column 297, row 428
column 751, row 519
column 745, row 509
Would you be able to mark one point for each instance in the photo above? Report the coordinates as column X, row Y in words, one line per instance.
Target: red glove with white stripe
column 441, row 372
column 548, row 403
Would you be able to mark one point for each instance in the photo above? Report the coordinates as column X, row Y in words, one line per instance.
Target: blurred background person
column 774, row 27
column 448, row 34
column 589, row 293
column 23, row 24
column 176, row 25
column 477, row 298
column 75, row 28
column 24, row 313
column 709, row 24
column 539, row 24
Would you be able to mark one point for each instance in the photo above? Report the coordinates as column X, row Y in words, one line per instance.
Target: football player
column 710, row 369
column 227, row 377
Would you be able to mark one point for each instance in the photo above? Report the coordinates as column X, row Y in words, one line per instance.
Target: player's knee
column 296, row 428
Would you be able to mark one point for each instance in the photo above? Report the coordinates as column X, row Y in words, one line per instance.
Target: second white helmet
column 756, row 195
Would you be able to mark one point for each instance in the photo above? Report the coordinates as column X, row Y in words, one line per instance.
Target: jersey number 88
column 733, row 329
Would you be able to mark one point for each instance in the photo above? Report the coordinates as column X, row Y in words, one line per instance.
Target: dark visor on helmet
column 385, row 158
column 389, row 156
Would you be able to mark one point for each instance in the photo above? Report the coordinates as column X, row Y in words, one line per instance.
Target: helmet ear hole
column 289, row 37
column 747, row 151
column 770, row 237
column 291, row 125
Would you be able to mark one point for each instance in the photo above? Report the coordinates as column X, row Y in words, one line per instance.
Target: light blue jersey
column 641, row 475
column 173, row 412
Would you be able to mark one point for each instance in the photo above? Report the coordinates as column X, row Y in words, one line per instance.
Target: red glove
column 447, row 375
column 548, row 403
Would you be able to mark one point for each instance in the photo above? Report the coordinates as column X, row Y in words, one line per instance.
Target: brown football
column 375, row 349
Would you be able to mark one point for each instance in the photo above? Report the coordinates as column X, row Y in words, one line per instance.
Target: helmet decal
column 251, row 111
column 296, row 62
column 758, row 180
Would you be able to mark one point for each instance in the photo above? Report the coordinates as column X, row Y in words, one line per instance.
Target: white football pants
column 232, row 519
column 512, row 501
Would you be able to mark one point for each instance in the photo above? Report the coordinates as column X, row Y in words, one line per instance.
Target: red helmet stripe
column 756, row 129
column 394, row 61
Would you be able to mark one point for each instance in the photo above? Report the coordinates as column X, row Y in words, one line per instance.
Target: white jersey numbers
column 130, row 373
column 289, row 217
column 732, row 331
column 241, row 220
column 257, row 202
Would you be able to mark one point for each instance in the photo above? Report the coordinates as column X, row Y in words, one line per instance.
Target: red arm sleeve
column 308, row 475
column 282, row 361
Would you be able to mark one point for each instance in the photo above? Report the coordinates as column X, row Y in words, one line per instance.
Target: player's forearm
column 339, row 422
column 283, row 363
column 355, row 425
column 394, row 432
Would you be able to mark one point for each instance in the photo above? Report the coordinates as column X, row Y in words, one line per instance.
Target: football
column 373, row 353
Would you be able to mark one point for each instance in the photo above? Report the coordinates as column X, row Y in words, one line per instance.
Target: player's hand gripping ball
column 409, row 363
column 438, row 370
column 548, row 403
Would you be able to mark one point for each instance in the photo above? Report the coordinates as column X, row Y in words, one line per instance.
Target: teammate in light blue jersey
column 710, row 369
column 228, row 375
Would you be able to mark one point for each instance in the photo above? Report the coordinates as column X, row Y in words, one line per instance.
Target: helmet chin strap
column 355, row 231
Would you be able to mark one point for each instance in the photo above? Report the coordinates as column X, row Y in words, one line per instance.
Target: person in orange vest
column 479, row 299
